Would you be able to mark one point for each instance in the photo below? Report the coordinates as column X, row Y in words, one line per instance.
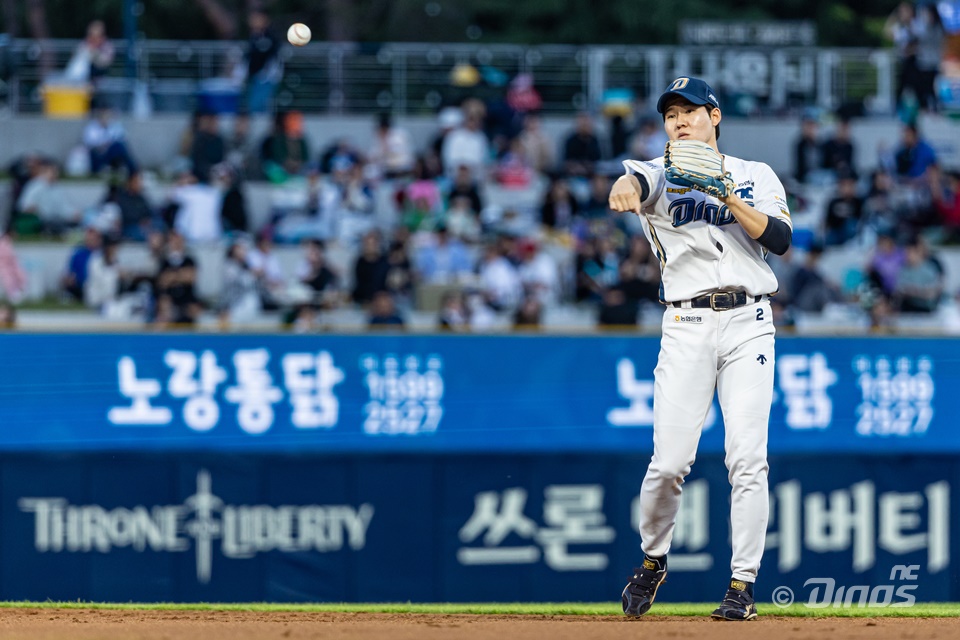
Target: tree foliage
column 848, row 23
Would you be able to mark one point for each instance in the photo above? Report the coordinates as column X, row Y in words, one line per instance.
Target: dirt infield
column 87, row 624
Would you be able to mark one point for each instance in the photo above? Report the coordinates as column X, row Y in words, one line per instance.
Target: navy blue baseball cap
column 693, row 89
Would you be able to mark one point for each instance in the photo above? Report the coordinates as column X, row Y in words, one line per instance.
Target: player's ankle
column 742, row 585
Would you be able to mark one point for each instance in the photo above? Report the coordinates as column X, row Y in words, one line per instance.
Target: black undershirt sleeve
column 644, row 187
column 777, row 236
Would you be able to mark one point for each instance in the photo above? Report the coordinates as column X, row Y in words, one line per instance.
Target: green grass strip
column 922, row 610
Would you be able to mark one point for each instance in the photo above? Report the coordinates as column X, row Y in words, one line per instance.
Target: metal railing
column 415, row 78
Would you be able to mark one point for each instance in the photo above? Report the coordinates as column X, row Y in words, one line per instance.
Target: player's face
column 684, row 120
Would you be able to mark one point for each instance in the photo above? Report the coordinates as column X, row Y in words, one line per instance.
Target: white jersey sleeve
column 652, row 173
column 770, row 196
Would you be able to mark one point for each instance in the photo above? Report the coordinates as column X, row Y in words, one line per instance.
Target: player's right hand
column 625, row 194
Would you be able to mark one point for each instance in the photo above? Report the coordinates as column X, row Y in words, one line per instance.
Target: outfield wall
column 184, row 467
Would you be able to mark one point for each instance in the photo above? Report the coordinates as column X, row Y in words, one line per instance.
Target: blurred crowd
column 413, row 217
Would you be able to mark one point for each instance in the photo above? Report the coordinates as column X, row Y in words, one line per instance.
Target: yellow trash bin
column 66, row 100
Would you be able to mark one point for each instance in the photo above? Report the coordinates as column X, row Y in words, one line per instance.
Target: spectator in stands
column 597, row 269
column 639, row 274
column 914, row 155
column 92, row 59
column 177, row 301
column 930, row 37
column 339, row 151
column 443, row 259
column 316, row 274
column 239, row 298
column 233, row 210
column 581, row 149
column 370, row 269
column 512, row 171
column 537, row 147
column 945, row 189
column 808, row 289
column 73, row 280
column 448, row 119
column 354, row 201
column 23, row 169
column 383, row 312
column 104, row 282
column 649, row 141
column 264, row 68
column 44, row 206
column 453, row 315
column 181, row 161
column 560, row 206
column 467, row 146
column 499, row 280
column 539, row 273
column 13, row 279
column 239, row 149
column 885, row 265
column 462, row 221
column 844, row 212
column 522, row 97
column 196, row 209
column 837, row 152
column 902, row 28
column 919, row 284
column 422, row 199
column 391, row 154
column 144, row 280
column 265, row 265
column 596, row 205
column 466, row 184
column 880, row 211
column 617, row 310
column 285, row 152
column 401, row 278
column 8, row 316
column 806, row 150
column 136, row 214
column 208, row 148
column 106, row 142
column 529, row 314
column 620, row 136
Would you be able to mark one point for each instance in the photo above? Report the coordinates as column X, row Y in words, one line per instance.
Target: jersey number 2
column 759, row 314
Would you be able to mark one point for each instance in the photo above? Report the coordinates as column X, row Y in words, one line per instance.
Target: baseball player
column 711, row 220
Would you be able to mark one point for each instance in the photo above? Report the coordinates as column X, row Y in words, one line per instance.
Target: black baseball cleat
column 642, row 587
column 738, row 604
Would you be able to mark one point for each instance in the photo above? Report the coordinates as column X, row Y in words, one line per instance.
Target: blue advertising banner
column 456, row 394
column 844, row 530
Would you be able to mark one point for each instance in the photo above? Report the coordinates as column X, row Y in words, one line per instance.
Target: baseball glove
column 697, row 165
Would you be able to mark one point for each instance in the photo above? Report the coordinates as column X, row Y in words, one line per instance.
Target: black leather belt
column 719, row 301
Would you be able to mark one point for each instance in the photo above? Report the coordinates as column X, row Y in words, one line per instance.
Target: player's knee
column 674, row 470
column 748, row 468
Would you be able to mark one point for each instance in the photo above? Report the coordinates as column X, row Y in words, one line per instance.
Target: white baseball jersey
column 701, row 246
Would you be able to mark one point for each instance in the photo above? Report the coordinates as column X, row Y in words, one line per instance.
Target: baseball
column 298, row 34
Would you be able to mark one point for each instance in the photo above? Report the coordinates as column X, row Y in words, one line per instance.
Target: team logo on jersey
column 688, row 319
column 687, row 210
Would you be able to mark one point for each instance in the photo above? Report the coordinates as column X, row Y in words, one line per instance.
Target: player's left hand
column 695, row 164
column 625, row 194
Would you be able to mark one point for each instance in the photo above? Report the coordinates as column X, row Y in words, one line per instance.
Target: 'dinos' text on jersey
column 687, row 210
